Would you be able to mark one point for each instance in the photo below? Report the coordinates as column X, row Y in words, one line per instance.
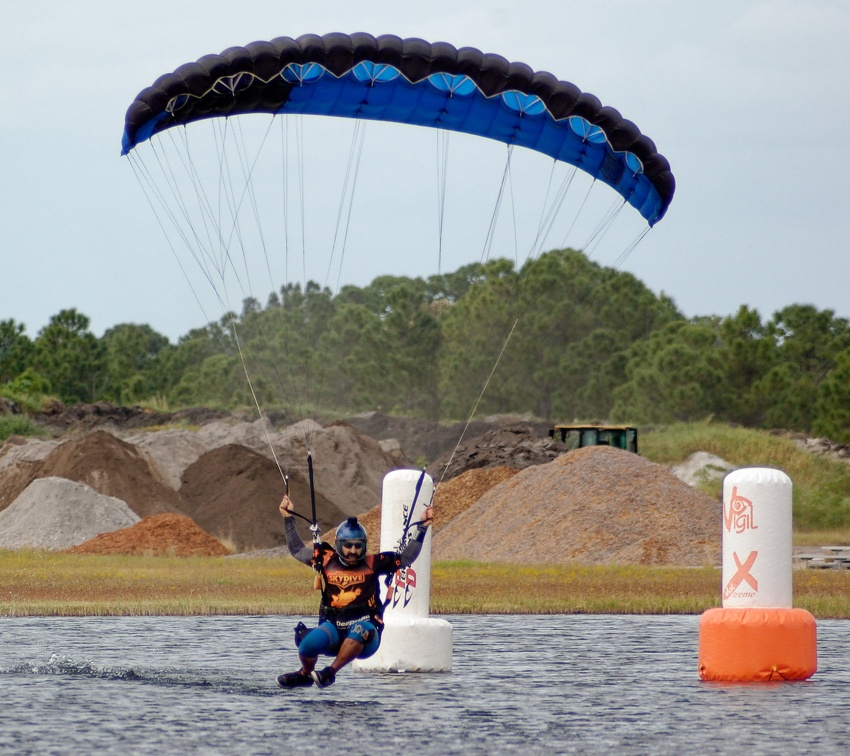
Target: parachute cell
column 411, row 81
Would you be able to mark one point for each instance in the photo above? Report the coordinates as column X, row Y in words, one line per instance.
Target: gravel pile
column 56, row 514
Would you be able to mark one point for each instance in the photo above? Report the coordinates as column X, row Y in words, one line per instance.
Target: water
column 543, row 684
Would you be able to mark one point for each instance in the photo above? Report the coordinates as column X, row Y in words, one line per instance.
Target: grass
column 821, row 485
column 38, row 583
column 16, row 425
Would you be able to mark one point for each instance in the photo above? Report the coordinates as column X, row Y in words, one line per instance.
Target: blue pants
column 326, row 639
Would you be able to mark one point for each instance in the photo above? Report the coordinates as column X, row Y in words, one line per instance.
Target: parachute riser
column 314, row 529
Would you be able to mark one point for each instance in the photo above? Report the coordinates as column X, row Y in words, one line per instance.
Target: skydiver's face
column 352, row 551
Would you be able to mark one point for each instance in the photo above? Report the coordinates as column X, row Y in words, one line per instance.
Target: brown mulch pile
column 452, row 497
column 597, row 505
column 159, row 535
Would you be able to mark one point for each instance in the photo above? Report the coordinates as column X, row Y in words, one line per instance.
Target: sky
column 748, row 101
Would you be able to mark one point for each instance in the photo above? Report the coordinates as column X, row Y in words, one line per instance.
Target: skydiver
column 351, row 610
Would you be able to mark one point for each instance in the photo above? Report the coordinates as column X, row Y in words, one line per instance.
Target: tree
column 832, row 418
column 676, row 375
column 70, row 357
column 808, row 343
column 15, row 350
column 133, row 362
column 748, row 353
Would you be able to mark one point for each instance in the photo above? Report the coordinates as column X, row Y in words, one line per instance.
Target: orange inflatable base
column 757, row 645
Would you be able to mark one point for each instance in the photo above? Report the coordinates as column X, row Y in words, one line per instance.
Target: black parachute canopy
column 412, row 81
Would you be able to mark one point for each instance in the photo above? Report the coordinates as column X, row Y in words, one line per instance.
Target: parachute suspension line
column 442, row 175
column 346, row 200
column 602, row 227
column 548, row 217
column 578, row 213
column 248, row 164
column 442, row 164
column 234, row 201
column 285, row 147
column 344, row 211
column 491, row 231
column 630, row 248
column 513, row 216
column 301, row 153
column 263, row 419
column 148, row 188
column 191, row 239
column 478, row 401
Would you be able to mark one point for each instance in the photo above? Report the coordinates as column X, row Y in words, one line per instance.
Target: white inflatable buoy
column 412, row 641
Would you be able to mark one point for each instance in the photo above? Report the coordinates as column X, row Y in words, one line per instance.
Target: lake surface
column 543, row 684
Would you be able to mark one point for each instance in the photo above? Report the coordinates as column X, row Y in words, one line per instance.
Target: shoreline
column 34, row 583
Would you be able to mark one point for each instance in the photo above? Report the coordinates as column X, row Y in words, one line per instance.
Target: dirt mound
column 56, row 513
column 230, row 489
column 83, row 417
column 517, row 446
column 597, row 505
column 426, row 440
column 103, row 462
column 233, row 493
column 159, row 535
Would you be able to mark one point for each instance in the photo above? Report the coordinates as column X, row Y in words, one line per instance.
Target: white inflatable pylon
column 412, row 641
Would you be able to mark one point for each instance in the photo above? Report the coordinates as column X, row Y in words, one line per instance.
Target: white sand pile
column 170, row 452
column 56, row 513
column 701, row 467
column 28, row 450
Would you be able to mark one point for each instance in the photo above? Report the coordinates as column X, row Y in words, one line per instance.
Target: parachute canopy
column 412, row 81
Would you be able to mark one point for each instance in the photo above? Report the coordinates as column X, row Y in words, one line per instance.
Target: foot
column 325, row 677
column 300, row 631
column 295, row 680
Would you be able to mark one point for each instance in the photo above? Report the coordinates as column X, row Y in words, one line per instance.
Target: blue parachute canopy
column 411, row 81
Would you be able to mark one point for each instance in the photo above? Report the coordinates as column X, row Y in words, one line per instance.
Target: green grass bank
column 37, row 583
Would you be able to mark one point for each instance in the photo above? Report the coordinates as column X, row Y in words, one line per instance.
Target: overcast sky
column 747, row 100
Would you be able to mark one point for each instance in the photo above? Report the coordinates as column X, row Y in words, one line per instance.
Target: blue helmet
column 350, row 543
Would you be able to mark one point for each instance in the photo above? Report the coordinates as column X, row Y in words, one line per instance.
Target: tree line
column 561, row 338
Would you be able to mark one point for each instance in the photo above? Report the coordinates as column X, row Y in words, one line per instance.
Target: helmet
column 350, row 541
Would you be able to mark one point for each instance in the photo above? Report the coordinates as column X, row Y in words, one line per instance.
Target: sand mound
column 234, row 492
column 349, row 467
column 56, row 513
column 105, row 463
column 701, row 467
column 159, row 535
column 596, row 506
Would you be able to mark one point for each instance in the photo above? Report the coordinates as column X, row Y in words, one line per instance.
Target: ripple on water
column 543, row 684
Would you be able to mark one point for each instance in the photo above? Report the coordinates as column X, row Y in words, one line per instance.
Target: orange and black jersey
column 349, row 592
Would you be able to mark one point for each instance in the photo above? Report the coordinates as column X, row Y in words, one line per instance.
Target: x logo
column 743, row 573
